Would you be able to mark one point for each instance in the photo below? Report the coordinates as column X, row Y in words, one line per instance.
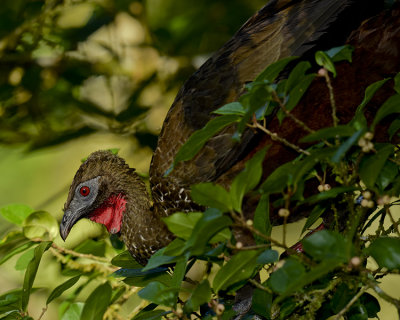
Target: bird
column 106, row 190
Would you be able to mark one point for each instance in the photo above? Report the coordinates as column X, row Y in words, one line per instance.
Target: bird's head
column 98, row 192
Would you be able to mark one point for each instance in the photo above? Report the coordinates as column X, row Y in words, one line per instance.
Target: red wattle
column 110, row 213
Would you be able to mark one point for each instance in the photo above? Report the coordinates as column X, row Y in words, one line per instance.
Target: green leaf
column 261, row 219
column 151, row 315
column 144, row 279
column 247, row 179
column 387, row 175
column 73, row 312
column 273, row 70
column 390, row 106
column 268, row 256
column 327, row 245
column 198, row 139
column 281, row 279
column 371, row 304
column 316, row 272
column 278, row 179
column 179, row 271
column 125, row 260
column 13, row 244
column 201, row 294
column 298, row 91
column 369, row 93
column 386, row 252
column 159, row 293
column 182, row 224
column 40, row 225
column 297, row 75
column 394, row 127
column 160, row 257
column 210, row 223
column 240, row 267
column 345, row 146
column 31, row 271
column 371, row 166
column 328, row 133
column 234, row 108
column 396, row 86
column 262, row 303
column 325, row 61
column 16, row 213
column 211, row 195
column 326, row 195
column 341, row 53
column 59, row 290
column 24, row 259
column 314, row 215
column 96, row 304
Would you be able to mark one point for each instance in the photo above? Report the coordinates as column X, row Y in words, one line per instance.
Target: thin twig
column 394, row 223
column 80, row 255
column 384, row 295
column 332, row 99
column 275, row 136
column 260, row 286
column 42, row 313
column 290, row 115
column 351, row 302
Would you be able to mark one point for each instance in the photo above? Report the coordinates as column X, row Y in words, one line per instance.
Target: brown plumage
column 282, row 28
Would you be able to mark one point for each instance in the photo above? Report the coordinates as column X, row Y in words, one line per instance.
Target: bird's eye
column 84, row 191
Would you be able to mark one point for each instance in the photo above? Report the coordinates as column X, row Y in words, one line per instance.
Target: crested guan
column 107, row 191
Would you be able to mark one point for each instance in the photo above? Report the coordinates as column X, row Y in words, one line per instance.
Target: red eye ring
column 84, row 191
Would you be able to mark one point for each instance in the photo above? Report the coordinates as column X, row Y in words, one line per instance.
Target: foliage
column 330, row 277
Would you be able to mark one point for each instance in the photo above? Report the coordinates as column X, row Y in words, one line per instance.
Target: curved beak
column 68, row 221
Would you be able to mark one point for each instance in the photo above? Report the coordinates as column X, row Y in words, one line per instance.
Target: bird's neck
column 142, row 230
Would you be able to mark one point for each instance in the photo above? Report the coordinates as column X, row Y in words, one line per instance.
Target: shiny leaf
column 212, row 195
column 268, row 256
column 159, row 293
column 261, row 219
column 371, row 166
column 324, row 244
column 234, row 108
column 197, row 140
column 390, row 106
column 247, row 179
column 281, row 279
column 386, row 252
column 31, row 271
column 325, row 61
column 240, row 267
column 59, row 290
column 97, row 302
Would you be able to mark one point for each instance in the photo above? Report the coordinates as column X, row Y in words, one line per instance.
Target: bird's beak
column 68, row 221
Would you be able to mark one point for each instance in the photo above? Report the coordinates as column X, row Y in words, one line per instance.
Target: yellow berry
column 327, row 187
column 320, row 188
column 284, row 213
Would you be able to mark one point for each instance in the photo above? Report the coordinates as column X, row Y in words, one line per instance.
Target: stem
column 385, row 296
column 275, row 136
column 332, row 99
column 43, row 312
column 260, row 286
column 79, row 255
column 395, row 224
column 351, row 302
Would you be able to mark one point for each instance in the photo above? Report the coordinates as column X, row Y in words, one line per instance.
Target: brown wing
column 281, row 28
